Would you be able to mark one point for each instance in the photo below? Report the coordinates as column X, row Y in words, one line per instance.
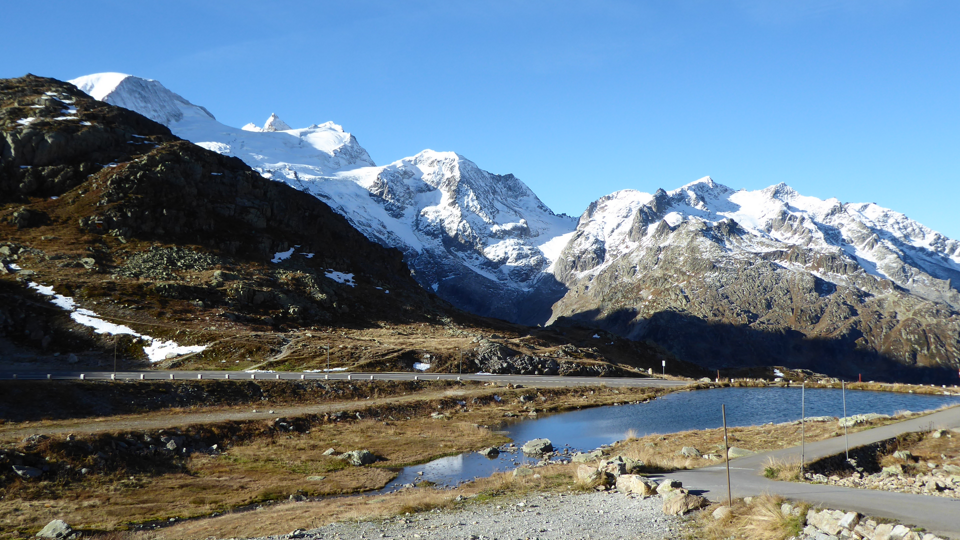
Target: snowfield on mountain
column 718, row 276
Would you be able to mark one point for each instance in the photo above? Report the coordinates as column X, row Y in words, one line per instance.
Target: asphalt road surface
column 526, row 380
column 939, row 515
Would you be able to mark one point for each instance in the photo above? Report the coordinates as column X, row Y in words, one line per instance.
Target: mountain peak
column 99, row 85
column 145, row 96
column 274, row 123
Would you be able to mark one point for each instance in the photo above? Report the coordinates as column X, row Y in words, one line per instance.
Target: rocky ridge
column 720, row 277
column 467, row 234
column 106, row 214
column 679, row 269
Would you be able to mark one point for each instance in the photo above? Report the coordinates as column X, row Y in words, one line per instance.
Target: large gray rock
column 667, row 485
column 827, row 521
column 683, row 502
column 689, row 451
column 591, row 476
column 359, row 458
column 615, row 466
column 581, row 457
column 537, row 447
column 636, row 485
column 490, row 452
column 57, row 529
column 733, row 452
column 849, row 521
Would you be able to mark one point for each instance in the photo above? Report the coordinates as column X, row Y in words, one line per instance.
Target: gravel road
column 545, row 516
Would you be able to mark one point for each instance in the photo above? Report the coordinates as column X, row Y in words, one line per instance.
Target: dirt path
column 181, row 417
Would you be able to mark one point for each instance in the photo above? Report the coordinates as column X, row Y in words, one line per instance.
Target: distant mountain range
column 720, row 277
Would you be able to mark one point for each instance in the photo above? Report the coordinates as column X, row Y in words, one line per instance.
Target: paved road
column 526, row 380
column 939, row 515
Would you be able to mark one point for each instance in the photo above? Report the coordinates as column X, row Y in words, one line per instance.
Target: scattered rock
column 905, row 455
column 358, row 458
column 581, row 457
column 722, row 512
column 668, row 485
column 689, row 451
column 683, row 502
column 329, row 451
column 57, row 529
column 636, row 485
column 522, row 471
column 490, row 452
column 734, row 452
column 537, row 447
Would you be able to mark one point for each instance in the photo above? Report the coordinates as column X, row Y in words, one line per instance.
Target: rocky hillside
column 479, row 240
column 731, row 278
column 118, row 234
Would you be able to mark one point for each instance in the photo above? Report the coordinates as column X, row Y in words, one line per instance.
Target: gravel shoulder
column 543, row 516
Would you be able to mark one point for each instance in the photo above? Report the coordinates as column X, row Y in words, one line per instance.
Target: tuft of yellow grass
column 761, row 519
column 779, row 469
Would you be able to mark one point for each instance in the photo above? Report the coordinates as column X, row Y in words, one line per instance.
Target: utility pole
column 115, row 338
column 328, row 357
column 459, row 350
column 726, row 454
column 846, row 442
column 803, row 434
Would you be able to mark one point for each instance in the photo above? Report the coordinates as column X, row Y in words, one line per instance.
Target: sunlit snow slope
column 881, row 242
column 480, row 240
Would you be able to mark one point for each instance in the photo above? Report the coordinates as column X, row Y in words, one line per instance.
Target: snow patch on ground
column 421, row 366
column 340, row 277
column 156, row 349
column 281, row 256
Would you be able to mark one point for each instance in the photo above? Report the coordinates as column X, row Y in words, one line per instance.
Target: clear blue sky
column 854, row 99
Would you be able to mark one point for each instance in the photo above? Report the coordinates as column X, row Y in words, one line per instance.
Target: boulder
column 522, row 471
column 537, row 447
column 689, row 451
column 722, row 512
column 27, row 472
column 329, row 451
column 827, row 521
column 56, row 529
column 733, row 452
column 905, row 455
column 892, row 470
column 359, row 458
column 615, row 466
column 682, row 503
column 591, row 476
column 636, row 485
column 581, row 457
column 849, row 521
column 490, row 452
column 668, row 485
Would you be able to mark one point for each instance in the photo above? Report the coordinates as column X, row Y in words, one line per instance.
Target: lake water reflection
column 588, row 429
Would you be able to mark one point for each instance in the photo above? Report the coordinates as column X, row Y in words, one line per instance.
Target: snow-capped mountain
column 881, row 242
column 480, row 240
column 719, row 277
column 726, row 278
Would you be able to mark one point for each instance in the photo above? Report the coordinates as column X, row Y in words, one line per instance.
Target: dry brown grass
column 779, row 469
column 761, row 519
column 263, row 467
column 660, row 452
column 306, row 515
